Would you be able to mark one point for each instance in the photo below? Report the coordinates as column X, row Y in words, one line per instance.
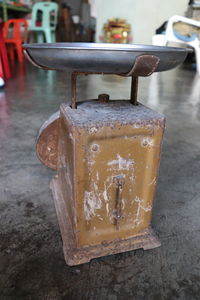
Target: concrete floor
column 31, row 258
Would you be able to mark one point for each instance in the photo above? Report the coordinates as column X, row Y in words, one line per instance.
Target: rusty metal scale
column 106, row 153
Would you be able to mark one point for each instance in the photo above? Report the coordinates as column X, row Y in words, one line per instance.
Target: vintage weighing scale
column 106, row 153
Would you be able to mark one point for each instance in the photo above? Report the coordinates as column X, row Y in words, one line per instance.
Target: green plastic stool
column 44, row 20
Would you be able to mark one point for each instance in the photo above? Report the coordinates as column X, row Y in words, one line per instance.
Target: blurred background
column 138, row 22
column 32, row 265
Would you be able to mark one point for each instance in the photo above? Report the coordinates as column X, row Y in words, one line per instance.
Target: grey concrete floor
column 31, row 258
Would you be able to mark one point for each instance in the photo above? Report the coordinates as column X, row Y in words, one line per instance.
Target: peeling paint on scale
column 121, row 163
column 92, row 202
column 95, row 198
column 71, row 137
column 140, row 207
column 154, row 181
column 147, row 142
column 105, row 195
column 93, row 130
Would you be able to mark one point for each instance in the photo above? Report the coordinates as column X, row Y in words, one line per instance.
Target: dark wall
column 75, row 6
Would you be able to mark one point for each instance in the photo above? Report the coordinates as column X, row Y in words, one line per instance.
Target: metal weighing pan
column 102, row 58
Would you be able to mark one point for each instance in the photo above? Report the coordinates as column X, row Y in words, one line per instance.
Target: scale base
column 75, row 256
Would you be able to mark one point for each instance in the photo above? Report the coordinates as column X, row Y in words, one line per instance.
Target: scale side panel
column 66, row 148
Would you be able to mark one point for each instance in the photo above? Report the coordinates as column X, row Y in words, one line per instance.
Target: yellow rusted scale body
column 107, row 155
column 108, row 158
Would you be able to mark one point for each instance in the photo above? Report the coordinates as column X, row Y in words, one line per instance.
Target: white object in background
column 170, row 36
column 93, row 8
column 158, row 39
column 2, row 83
column 76, row 19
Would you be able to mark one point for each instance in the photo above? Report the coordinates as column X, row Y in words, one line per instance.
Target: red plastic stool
column 3, row 55
column 14, row 33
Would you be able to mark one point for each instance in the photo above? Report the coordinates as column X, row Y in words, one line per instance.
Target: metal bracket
column 144, row 65
column 73, row 85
